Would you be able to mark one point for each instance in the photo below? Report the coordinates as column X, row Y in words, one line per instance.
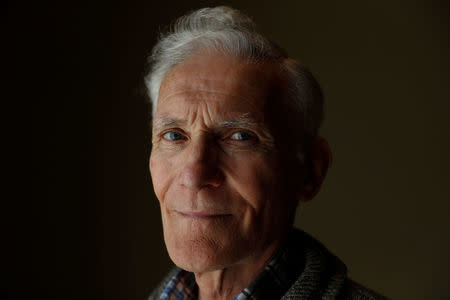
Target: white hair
column 232, row 32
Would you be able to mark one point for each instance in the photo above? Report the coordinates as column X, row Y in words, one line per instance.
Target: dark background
column 84, row 223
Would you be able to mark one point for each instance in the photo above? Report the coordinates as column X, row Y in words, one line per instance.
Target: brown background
column 88, row 227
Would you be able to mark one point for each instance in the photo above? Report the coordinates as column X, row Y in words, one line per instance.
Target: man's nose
column 201, row 169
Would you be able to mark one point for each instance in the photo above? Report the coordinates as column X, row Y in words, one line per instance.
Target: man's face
column 216, row 164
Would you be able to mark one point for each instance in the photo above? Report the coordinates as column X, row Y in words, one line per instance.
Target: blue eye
column 241, row 136
column 172, row 136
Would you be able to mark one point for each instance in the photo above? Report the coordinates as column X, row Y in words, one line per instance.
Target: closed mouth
column 202, row 214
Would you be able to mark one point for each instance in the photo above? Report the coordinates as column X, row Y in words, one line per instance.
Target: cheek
column 254, row 179
column 160, row 171
column 260, row 188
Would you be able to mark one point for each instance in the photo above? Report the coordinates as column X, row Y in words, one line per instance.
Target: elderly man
column 235, row 148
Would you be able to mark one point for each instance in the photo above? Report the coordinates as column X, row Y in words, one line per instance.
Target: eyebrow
column 164, row 122
column 241, row 121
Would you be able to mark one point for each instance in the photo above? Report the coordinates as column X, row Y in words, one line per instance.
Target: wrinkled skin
column 222, row 171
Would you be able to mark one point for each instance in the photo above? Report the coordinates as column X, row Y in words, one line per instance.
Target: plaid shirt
column 271, row 283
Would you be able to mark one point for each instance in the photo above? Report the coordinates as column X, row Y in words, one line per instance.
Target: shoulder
column 355, row 291
column 324, row 276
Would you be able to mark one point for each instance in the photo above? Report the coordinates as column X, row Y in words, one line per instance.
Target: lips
column 202, row 214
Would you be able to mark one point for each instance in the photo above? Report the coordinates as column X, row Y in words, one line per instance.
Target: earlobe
column 318, row 160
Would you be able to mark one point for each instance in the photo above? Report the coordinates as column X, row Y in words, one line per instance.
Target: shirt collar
column 181, row 286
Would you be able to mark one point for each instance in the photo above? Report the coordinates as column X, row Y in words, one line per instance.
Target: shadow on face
column 223, row 162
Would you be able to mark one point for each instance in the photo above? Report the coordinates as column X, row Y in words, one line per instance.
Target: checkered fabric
column 182, row 286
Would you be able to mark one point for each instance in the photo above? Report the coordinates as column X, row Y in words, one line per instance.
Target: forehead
column 228, row 84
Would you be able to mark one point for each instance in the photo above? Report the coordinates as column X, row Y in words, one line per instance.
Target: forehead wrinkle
column 200, row 101
column 192, row 93
column 204, row 97
column 180, row 80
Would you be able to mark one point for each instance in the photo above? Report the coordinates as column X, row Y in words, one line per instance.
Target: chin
column 199, row 254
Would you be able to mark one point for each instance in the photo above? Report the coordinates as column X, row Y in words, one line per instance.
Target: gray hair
column 232, row 32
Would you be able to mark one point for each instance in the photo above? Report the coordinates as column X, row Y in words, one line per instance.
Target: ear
column 318, row 160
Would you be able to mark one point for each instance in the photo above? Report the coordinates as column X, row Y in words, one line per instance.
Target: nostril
column 216, row 179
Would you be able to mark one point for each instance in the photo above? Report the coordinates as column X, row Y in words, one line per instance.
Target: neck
column 228, row 282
